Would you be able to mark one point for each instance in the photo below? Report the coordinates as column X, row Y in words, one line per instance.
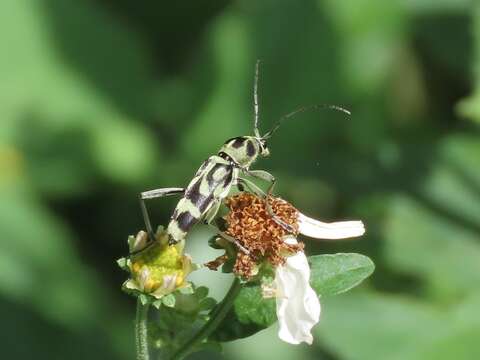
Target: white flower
column 298, row 307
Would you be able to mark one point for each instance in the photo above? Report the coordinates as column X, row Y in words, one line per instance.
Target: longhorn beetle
column 213, row 180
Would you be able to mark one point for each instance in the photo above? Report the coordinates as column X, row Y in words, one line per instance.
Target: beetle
column 214, row 179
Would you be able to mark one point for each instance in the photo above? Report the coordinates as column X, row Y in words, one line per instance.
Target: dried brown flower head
column 252, row 226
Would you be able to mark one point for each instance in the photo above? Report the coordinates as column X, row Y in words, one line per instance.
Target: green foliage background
column 101, row 99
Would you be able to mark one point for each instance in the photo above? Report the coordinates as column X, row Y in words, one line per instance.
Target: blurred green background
column 102, row 99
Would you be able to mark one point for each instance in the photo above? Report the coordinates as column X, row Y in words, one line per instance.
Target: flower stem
column 216, row 317
column 141, row 335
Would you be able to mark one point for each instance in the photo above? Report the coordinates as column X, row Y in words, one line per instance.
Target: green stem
column 216, row 317
column 141, row 335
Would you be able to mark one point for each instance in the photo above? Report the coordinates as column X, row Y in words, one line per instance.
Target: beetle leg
column 153, row 194
column 251, row 186
column 212, row 212
column 264, row 175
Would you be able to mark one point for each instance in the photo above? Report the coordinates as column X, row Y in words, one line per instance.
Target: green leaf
column 208, row 303
column 249, row 315
column 251, row 307
column 201, row 292
column 143, row 299
column 122, row 263
column 168, row 300
column 336, row 274
column 157, row 304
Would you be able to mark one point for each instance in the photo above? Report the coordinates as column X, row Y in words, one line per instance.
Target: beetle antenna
column 301, row 110
column 255, row 101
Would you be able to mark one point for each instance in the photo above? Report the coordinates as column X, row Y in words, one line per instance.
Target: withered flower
column 250, row 224
column 265, row 241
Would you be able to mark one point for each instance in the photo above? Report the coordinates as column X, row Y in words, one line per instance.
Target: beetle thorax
column 244, row 150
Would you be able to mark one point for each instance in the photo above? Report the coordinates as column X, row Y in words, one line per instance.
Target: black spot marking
column 250, row 149
column 228, row 179
column 186, row 220
column 238, row 142
column 193, row 193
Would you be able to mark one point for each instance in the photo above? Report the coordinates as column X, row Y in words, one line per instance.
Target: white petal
column 168, row 286
column 336, row 230
column 169, row 282
column 143, row 277
column 132, row 285
column 298, row 307
column 138, row 242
